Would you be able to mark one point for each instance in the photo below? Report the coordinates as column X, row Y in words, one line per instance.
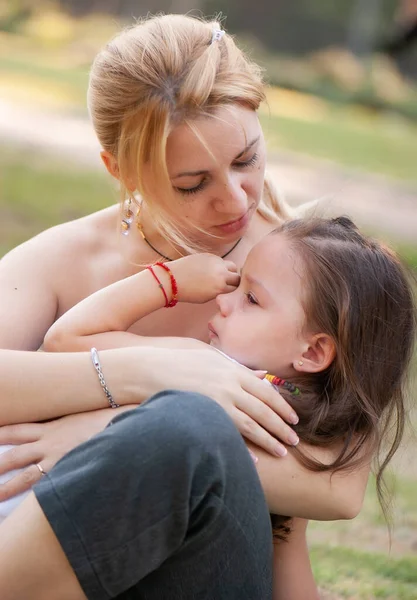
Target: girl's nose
column 225, row 303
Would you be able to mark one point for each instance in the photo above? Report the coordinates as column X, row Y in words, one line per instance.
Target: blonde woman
column 173, row 102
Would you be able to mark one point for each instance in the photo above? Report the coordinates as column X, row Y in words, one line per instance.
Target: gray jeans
column 165, row 503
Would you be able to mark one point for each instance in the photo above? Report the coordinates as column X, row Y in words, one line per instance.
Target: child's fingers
column 232, row 279
column 231, row 266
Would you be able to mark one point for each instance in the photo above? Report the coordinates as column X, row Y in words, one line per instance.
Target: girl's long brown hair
column 358, row 292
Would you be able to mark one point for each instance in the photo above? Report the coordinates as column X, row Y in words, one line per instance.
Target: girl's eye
column 251, row 298
column 247, row 163
column 193, row 190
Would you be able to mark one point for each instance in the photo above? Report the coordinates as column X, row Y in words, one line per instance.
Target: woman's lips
column 237, row 224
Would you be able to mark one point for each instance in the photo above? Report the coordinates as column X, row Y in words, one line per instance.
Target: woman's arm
column 291, row 489
column 293, row 577
column 38, row 386
column 54, row 382
column 28, row 298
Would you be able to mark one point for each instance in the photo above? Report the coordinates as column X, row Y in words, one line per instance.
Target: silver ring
column 41, row 469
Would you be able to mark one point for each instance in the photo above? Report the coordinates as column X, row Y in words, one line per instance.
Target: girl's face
column 262, row 323
column 216, row 168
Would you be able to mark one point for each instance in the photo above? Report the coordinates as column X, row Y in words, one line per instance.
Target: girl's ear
column 110, row 163
column 318, row 356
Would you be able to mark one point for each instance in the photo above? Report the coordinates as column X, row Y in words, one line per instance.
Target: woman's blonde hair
column 162, row 71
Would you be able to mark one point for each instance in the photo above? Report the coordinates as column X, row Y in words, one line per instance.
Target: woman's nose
column 231, row 197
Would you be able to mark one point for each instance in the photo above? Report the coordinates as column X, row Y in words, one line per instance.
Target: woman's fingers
column 252, row 431
column 268, row 420
column 21, row 482
column 19, row 457
column 20, row 434
column 271, row 397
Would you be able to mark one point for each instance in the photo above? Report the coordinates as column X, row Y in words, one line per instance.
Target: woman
column 173, row 102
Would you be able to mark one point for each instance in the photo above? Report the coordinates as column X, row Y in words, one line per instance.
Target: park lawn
column 353, row 559
column 38, row 192
column 369, row 146
column 357, row 575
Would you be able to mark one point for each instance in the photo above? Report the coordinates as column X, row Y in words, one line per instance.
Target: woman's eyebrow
column 248, row 147
column 205, row 171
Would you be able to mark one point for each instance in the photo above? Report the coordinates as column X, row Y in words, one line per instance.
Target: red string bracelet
column 159, row 285
column 174, row 286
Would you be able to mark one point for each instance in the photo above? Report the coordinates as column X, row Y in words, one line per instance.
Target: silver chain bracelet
column 97, row 366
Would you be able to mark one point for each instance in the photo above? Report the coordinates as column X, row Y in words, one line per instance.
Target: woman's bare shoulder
column 64, row 243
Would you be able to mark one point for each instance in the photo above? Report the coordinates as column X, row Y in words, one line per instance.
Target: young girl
column 327, row 312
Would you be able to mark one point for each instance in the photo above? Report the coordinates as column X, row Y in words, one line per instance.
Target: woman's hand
column 202, row 277
column 257, row 409
column 45, row 443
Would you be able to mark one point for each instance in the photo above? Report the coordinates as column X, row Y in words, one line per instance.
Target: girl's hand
column 202, row 277
column 45, row 443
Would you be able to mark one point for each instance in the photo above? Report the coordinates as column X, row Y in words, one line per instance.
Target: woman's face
column 216, row 168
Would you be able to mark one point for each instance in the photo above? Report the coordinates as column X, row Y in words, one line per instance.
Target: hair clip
column 217, row 35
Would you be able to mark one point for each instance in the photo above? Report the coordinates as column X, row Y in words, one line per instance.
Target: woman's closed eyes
column 239, row 164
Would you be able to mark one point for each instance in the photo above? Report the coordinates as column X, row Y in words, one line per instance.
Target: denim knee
column 182, row 420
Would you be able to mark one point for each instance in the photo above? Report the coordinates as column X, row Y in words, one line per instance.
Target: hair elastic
column 217, row 35
column 287, row 385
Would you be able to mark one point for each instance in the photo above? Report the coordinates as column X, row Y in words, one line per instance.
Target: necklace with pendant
column 128, row 219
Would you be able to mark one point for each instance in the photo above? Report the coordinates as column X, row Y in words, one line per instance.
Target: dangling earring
column 127, row 217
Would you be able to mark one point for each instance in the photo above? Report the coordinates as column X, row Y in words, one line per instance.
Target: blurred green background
column 341, row 124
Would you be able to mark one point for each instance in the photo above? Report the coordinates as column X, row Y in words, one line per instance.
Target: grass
column 357, row 560
column 36, row 194
column 361, row 575
column 368, row 147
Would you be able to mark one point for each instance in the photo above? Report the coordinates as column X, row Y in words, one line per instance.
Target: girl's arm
column 293, row 577
column 102, row 320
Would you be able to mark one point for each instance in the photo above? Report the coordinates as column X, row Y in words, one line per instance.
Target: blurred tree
column 406, row 31
column 131, row 7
